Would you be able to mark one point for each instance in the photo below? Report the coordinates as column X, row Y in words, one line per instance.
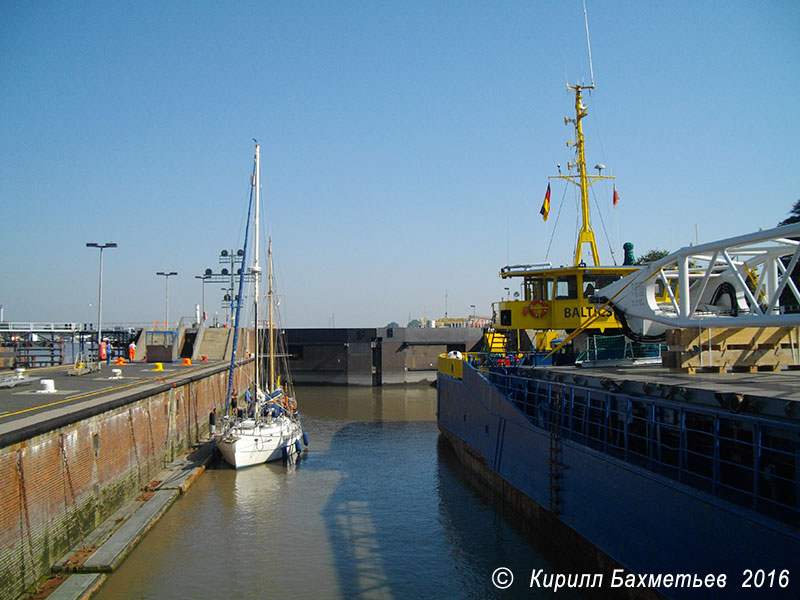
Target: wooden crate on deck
column 723, row 349
column 7, row 357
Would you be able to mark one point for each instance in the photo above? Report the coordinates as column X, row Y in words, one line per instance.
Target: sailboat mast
column 271, row 328
column 256, row 269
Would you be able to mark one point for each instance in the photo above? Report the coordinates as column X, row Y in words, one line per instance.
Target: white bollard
column 48, row 387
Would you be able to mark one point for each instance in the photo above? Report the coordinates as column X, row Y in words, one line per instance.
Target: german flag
column 545, row 210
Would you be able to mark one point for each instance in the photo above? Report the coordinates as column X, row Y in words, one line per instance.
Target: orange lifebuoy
column 537, row 309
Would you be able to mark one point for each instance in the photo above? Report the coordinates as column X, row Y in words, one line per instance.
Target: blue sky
column 406, row 145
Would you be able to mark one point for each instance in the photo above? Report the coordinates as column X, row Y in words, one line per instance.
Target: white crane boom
column 737, row 282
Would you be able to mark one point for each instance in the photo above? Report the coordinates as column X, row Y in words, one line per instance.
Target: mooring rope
column 135, row 449
column 71, row 493
column 605, row 231
column 555, row 225
column 27, row 523
column 152, row 438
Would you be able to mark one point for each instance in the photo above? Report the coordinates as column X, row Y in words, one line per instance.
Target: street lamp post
column 166, row 279
column 203, row 278
column 100, row 293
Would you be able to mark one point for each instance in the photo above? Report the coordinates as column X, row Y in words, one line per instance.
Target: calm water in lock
column 374, row 508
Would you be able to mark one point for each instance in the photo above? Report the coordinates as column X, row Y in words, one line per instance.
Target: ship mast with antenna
column 582, row 179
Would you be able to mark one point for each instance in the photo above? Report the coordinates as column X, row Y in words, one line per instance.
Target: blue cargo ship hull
column 654, row 485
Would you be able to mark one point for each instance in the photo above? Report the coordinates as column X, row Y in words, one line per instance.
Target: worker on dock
column 102, row 351
column 132, row 351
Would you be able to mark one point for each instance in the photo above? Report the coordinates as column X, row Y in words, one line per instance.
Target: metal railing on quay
column 34, row 326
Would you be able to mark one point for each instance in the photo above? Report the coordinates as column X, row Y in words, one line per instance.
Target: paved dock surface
column 23, row 406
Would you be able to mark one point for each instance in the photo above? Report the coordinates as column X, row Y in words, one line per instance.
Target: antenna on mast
column 588, row 43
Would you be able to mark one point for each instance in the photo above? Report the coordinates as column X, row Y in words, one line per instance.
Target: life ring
column 537, row 309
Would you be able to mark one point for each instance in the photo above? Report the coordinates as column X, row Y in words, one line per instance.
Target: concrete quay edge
column 122, row 538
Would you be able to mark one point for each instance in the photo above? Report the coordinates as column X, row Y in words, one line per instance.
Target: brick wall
column 57, row 487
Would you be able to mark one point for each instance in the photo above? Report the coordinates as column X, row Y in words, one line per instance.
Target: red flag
column 616, row 196
column 545, row 210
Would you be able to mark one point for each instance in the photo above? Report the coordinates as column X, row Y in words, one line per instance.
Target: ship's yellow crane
column 558, row 298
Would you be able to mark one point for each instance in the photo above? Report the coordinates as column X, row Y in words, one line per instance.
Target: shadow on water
column 466, row 501
column 405, row 523
column 378, row 514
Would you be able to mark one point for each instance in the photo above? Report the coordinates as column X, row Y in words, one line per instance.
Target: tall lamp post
column 166, row 278
column 203, row 278
column 100, row 293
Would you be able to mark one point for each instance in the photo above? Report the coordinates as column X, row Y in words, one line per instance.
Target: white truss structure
column 735, row 282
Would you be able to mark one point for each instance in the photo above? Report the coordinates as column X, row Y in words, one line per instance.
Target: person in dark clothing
column 249, row 402
column 212, row 421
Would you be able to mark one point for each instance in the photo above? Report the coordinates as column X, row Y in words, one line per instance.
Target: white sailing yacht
column 271, row 429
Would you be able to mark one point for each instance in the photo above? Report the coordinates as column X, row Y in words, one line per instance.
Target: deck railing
column 745, row 459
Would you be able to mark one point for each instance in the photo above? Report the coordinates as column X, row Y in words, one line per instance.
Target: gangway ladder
column 83, row 365
column 555, row 464
column 496, row 342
